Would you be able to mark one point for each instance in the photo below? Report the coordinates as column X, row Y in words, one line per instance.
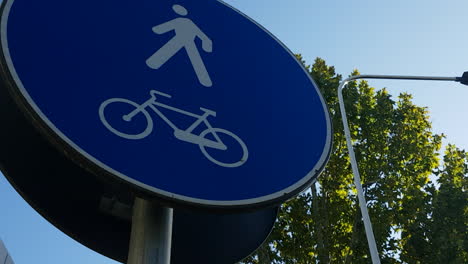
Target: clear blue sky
column 418, row 37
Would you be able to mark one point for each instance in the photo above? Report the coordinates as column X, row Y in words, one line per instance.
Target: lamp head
column 463, row 79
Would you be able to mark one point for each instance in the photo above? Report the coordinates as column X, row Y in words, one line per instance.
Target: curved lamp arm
column 354, row 165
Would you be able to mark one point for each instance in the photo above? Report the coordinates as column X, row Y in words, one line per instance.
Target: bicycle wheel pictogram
column 220, row 131
column 126, row 124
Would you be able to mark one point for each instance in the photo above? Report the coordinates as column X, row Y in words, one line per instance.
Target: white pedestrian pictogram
column 185, row 34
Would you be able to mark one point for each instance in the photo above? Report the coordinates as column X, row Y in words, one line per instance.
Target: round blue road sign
column 189, row 101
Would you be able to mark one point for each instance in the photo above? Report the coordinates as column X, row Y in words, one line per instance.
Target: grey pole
column 357, row 178
column 150, row 241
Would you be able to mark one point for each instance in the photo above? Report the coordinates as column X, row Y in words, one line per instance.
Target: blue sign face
column 189, row 100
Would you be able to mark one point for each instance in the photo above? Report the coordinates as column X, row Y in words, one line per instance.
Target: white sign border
column 286, row 193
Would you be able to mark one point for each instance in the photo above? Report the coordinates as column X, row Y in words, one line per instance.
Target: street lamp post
column 354, row 166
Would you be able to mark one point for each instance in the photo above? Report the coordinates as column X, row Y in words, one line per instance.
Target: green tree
column 449, row 227
column 443, row 233
column 397, row 153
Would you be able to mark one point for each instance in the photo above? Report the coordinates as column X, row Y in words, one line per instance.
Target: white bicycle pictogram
column 186, row 135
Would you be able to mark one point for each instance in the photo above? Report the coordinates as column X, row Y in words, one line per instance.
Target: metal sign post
column 150, row 241
column 357, row 178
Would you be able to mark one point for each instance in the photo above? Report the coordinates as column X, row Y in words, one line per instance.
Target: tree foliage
column 415, row 219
